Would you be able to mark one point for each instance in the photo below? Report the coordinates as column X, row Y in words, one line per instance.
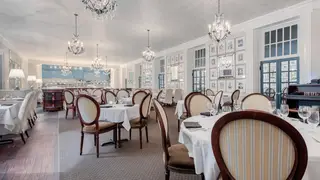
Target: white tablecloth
column 9, row 115
column 127, row 100
column 198, row 143
column 119, row 113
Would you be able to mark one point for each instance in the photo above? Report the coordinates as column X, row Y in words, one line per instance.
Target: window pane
column 279, row 49
column 287, row 33
column 273, row 36
column 266, row 51
column 286, row 47
column 273, row 50
column 294, row 31
column 266, row 38
column 294, row 47
column 279, row 35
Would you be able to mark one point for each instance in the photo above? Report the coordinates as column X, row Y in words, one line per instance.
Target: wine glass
column 284, row 110
column 210, row 108
column 304, row 113
column 273, row 106
column 237, row 107
column 226, row 109
column 313, row 120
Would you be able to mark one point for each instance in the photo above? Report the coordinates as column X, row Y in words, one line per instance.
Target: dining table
column 198, row 143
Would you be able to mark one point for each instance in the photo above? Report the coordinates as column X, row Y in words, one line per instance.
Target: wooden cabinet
column 53, row 99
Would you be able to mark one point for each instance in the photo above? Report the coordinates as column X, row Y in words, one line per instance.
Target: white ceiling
column 40, row 29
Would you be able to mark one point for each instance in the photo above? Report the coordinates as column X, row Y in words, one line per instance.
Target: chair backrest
column 284, row 95
column 177, row 95
column 138, row 97
column 110, row 96
column 198, row 104
column 68, row 97
column 235, row 96
column 148, row 91
column 164, row 128
column 217, row 99
column 250, row 145
column 256, row 101
column 270, row 93
column 88, row 110
column 209, row 92
column 123, row 93
column 35, row 99
column 98, row 93
column 168, row 97
column 25, row 106
column 159, row 94
column 115, row 91
column 187, row 100
column 145, row 106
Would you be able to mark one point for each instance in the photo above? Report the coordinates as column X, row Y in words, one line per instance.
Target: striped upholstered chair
column 251, row 145
column 256, row 101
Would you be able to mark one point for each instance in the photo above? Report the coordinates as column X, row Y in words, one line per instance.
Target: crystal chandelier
column 75, row 46
column 106, row 70
column 96, row 65
column 101, row 9
column 220, row 29
column 148, row 54
column 66, row 69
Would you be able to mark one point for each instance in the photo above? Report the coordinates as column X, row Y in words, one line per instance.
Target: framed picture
column 222, row 47
column 221, row 85
column 172, row 60
column 240, row 57
column 230, row 85
column 180, row 58
column 240, row 44
column 213, row 85
column 213, row 62
column 241, row 71
column 214, row 73
column 212, row 50
column 230, row 46
column 241, row 85
column 176, row 59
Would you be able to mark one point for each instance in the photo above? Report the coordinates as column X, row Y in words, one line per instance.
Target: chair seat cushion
column 229, row 103
column 136, row 123
column 179, row 157
column 102, row 126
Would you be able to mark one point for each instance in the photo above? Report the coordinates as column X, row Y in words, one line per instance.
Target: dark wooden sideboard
column 53, row 99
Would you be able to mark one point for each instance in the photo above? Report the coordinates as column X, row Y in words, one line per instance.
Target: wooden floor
column 37, row 158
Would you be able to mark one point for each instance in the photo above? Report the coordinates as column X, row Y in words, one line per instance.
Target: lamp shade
column 39, row 81
column 31, row 78
column 16, row 73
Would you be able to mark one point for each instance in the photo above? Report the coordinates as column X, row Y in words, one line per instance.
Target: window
column 162, row 66
column 200, row 58
column 281, row 42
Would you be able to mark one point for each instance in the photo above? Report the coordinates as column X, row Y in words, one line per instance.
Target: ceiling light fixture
column 219, row 29
column 66, row 69
column 75, row 46
column 96, row 65
column 101, row 9
column 148, row 54
column 106, row 70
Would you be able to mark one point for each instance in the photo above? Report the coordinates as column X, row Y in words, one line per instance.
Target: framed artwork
column 241, row 71
column 241, row 85
column 172, row 60
column 230, row 85
column 213, row 62
column 180, row 58
column 214, row 73
column 240, row 57
column 221, row 85
column 222, row 47
column 176, row 59
column 212, row 50
column 240, row 43
column 230, row 46
column 213, row 85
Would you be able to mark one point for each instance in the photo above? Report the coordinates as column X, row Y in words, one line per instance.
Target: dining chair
column 217, row 100
column 168, row 97
column 270, row 93
column 35, row 104
column 256, row 101
column 234, row 99
column 251, row 144
column 69, row 100
column 98, row 95
column 142, row 121
column 209, row 92
column 159, row 95
column 284, row 95
column 23, row 116
column 177, row 95
column 138, row 97
column 122, row 93
column 175, row 157
column 89, row 112
column 198, row 104
column 110, row 96
column 115, row 91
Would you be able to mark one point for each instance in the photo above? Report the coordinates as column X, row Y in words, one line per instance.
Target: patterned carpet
column 127, row 163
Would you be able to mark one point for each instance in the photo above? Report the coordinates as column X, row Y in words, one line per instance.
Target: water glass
column 284, row 110
column 273, row 106
column 237, row 107
column 313, row 120
column 304, row 113
column 226, row 109
column 211, row 108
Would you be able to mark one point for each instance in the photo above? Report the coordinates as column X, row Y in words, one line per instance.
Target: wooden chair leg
column 167, row 174
column 81, row 143
column 147, row 137
column 178, row 125
column 67, row 110
column 140, row 134
column 95, row 141
column 73, row 113
column 22, row 138
column 26, row 134
column 130, row 134
column 29, row 121
column 32, row 121
column 202, row 177
column 97, row 146
column 115, row 137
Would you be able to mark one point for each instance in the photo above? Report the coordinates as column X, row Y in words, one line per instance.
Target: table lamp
column 17, row 74
column 31, row 80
